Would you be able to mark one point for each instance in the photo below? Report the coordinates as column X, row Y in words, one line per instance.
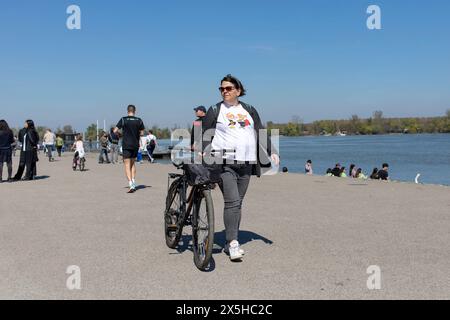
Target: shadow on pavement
column 41, row 177
column 140, row 187
column 185, row 243
column 244, row 237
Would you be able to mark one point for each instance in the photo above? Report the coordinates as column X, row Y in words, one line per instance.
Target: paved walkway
column 305, row 237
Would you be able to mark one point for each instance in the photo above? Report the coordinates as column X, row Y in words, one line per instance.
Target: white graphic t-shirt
column 235, row 131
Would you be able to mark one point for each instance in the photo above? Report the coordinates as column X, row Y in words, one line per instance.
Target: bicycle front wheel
column 203, row 229
column 174, row 209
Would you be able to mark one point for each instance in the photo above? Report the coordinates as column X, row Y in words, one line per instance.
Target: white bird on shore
column 417, row 178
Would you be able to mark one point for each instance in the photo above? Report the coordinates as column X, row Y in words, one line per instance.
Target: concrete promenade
column 306, row 237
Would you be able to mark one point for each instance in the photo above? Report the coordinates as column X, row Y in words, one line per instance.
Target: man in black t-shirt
column 131, row 127
column 383, row 173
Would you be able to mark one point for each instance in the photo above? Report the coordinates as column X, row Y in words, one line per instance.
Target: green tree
column 355, row 124
column 411, row 125
column 378, row 122
column 292, row 129
column 41, row 131
column 91, row 132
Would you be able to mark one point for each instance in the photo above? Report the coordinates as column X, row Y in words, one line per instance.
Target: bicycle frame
column 189, row 201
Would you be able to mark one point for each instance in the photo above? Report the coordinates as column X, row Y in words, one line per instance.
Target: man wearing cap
column 196, row 133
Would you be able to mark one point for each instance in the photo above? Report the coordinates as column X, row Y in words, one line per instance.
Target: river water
column 407, row 155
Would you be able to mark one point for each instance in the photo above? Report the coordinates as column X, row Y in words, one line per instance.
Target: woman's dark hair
column 352, row 166
column 374, row 174
column 329, row 170
column 30, row 124
column 285, row 169
column 237, row 84
column 4, row 126
column 309, row 161
column 358, row 172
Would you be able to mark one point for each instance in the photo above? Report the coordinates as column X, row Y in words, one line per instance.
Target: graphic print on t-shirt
column 239, row 120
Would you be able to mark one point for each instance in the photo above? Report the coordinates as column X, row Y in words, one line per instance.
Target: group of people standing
column 110, row 144
column 29, row 139
column 52, row 142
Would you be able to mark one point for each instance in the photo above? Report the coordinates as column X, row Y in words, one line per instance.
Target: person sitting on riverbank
column 308, row 167
column 374, row 175
column 342, row 173
column 329, row 172
column 336, row 170
column 383, row 173
column 352, row 171
column 360, row 175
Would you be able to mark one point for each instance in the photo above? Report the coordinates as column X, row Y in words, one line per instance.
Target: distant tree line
column 376, row 124
column 160, row 133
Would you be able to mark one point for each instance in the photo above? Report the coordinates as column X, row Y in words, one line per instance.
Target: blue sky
column 314, row 59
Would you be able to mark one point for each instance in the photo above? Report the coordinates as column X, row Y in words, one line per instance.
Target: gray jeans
column 234, row 184
column 114, row 153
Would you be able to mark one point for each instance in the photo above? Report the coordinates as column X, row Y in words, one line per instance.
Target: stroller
column 79, row 161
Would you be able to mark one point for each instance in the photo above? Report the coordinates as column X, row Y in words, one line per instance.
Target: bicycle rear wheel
column 174, row 209
column 203, row 229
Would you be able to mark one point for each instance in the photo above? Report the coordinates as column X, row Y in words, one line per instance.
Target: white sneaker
column 235, row 253
column 226, row 250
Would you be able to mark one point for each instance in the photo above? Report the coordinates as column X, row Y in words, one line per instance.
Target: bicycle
column 79, row 162
column 194, row 208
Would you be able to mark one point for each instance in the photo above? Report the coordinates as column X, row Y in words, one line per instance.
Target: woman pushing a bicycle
column 239, row 142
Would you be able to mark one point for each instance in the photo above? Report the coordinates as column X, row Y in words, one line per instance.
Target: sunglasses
column 227, row 89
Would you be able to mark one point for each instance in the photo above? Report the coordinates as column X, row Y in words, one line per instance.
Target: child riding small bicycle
column 79, row 159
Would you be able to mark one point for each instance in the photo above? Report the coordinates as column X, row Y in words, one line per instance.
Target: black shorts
column 130, row 153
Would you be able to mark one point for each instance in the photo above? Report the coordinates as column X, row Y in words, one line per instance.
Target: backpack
column 152, row 143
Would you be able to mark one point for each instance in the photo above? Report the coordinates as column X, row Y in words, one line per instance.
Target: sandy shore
column 305, row 237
